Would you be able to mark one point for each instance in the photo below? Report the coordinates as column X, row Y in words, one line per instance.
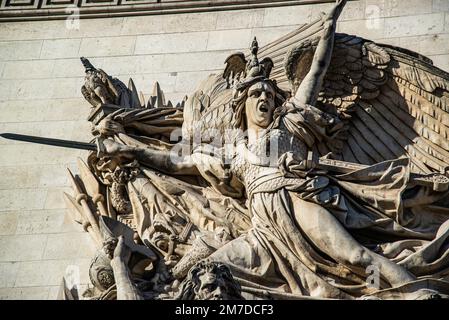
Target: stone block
column 31, row 30
column 21, row 111
column 22, row 247
column 432, row 44
column 190, row 22
column 33, row 154
column 40, row 221
column 22, row 199
column 414, row 25
column 60, row 48
column 69, row 246
column 19, row 177
column 69, row 225
column 109, row 46
column 154, row 24
column 269, row 34
column 72, row 68
column 20, row 50
column 188, row 81
column 41, row 273
column 241, row 19
column 28, row 69
column 394, row 8
column 290, row 15
column 8, row 274
column 213, row 60
column 8, row 223
column 446, row 22
column 373, row 28
column 170, row 43
column 441, row 61
column 30, row 293
column 28, row 89
column 55, row 129
column 440, row 5
column 67, row 87
column 115, row 66
column 55, row 199
column 104, row 27
column 229, row 39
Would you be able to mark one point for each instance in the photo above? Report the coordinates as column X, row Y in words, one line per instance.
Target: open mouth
column 263, row 108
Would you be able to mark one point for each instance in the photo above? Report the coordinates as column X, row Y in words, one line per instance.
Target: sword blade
column 50, row 141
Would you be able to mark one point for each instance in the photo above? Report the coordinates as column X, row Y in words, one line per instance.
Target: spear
column 92, row 187
column 81, row 199
column 76, row 211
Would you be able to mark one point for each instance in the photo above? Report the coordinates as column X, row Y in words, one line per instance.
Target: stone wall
column 40, row 82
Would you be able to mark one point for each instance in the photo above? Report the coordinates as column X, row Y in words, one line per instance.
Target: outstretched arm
column 310, row 87
column 166, row 161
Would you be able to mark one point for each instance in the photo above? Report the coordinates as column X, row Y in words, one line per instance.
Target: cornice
column 23, row 10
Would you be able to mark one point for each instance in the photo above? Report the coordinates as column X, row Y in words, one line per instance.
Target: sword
column 50, row 141
column 437, row 181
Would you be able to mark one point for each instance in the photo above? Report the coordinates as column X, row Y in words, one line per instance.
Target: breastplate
column 264, row 155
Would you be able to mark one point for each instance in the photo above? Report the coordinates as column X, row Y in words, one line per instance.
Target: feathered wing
column 394, row 101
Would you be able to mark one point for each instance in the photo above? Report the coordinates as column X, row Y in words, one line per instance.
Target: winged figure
column 312, row 167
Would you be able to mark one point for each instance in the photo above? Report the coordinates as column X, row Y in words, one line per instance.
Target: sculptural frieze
column 312, row 168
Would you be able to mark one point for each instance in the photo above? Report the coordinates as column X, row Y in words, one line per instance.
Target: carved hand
column 110, row 148
column 122, row 253
column 108, row 127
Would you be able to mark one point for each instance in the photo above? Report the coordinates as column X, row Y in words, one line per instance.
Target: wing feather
column 395, row 102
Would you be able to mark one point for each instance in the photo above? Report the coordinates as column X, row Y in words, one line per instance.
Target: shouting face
column 260, row 105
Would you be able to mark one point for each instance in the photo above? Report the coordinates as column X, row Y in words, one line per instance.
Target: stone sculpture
column 318, row 173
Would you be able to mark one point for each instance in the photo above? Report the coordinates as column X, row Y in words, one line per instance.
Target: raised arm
column 310, row 87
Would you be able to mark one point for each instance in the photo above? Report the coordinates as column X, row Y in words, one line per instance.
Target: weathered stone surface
column 287, row 16
column 8, row 274
column 22, row 247
column 22, row 199
column 20, row 50
column 398, row 8
column 60, row 48
column 69, row 246
column 108, row 46
column 30, row 293
column 229, row 39
column 441, row 61
column 440, row 5
column 242, row 19
column 27, row 69
column 171, row 43
column 40, row 221
column 436, row 44
column 414, row 25
column 8, row 222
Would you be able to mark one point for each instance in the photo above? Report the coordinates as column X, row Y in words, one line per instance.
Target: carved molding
column 20, row 10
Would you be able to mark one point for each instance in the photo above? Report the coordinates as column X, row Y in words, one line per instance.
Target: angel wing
column 394, row 101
